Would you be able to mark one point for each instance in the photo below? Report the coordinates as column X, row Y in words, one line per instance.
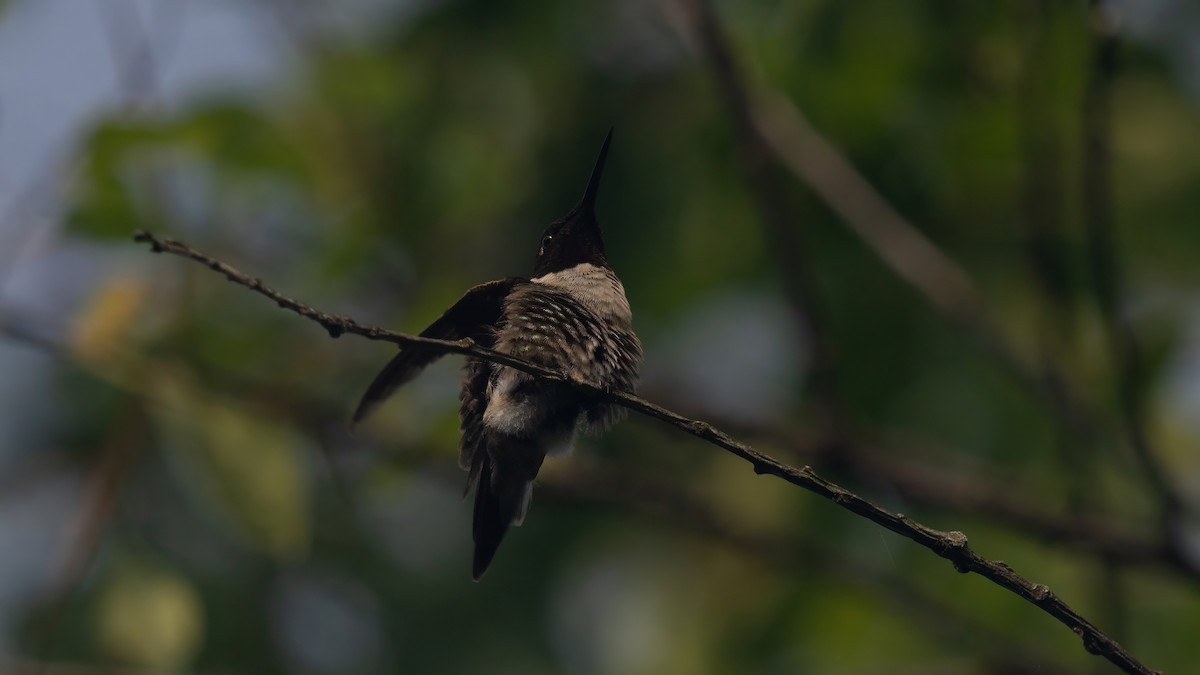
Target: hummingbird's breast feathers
column 597, row 288
column 576, row 321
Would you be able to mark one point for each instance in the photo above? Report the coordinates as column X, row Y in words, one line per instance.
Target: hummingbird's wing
column 474, row 316
column 472, row 403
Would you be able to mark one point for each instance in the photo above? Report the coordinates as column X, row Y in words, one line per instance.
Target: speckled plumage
column 578, row 323
column 585, row 334
column 572, row 316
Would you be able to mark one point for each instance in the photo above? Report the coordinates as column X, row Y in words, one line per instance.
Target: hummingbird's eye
column 545, row 240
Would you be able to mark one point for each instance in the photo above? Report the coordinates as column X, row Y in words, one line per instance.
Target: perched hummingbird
column 571, row 315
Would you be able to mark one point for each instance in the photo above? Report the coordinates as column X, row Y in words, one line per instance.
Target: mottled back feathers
column 573, row 317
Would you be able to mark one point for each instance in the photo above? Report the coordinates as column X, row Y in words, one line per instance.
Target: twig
column 951, row 546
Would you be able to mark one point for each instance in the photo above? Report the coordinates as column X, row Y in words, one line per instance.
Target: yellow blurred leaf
column 105, row 323
column 150, row 618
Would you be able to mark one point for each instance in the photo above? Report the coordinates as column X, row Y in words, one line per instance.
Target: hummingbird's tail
column 502, row 495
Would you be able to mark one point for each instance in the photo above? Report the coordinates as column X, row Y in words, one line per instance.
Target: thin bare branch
column 952, row 546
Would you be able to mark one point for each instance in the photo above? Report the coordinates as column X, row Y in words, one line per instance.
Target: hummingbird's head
column 575, row 238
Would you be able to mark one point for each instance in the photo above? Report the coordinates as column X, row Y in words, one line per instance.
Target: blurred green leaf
column 247, row 466
column 239, row 139
column 105, row 205
column 125, row 183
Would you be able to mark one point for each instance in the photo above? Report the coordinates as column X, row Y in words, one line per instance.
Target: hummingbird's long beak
column 587, row 205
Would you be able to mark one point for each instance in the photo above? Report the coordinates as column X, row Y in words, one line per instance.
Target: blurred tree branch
column 952, row 546
column 1042, row 203
column 1107, row 276
column 779, row 126
column 136, row 64
column 877, row 462
column 770, row 121
column 784, row 230
column 665, row 503
column 116, row 457
column 1043, row 209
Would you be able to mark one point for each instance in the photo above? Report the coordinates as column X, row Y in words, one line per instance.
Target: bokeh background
column 944, row 252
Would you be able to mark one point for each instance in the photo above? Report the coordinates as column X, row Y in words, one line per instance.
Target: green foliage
column 243, row 464
column 127, row 164
column 411, row 163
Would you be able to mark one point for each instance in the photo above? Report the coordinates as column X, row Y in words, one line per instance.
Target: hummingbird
column 571, row 315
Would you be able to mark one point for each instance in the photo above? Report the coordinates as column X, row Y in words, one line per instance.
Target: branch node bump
column 1090, row 643
column 142, row 236
column 956, row 539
